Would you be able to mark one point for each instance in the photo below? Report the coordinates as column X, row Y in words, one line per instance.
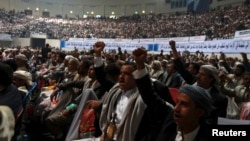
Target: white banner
column 5, row 37
column 242, row 35
column 226, row 46
column 38, row 35
column 197, row 39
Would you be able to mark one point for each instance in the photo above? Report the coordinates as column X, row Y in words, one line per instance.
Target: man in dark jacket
column 206, row 78
column 9, row 95
column 132, row 99
column 186, row 121
column 45, row 51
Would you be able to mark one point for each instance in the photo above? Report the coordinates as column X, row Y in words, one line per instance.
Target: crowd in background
column 218, row 23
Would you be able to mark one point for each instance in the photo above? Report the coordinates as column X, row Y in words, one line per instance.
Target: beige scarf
column 127, row 128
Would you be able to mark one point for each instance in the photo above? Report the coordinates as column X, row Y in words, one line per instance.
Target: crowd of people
column 78, row 94
column 56, row 95
column 218, row 23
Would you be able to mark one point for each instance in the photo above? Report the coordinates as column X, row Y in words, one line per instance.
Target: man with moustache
column 187, row 120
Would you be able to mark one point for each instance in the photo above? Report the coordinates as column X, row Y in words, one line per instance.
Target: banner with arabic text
column 156, row 45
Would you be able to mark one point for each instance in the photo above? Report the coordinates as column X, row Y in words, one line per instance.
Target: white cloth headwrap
column 7, row 123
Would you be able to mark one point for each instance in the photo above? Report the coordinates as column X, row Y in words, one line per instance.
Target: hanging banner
column 5, row 37
column 156, row 45
column 38, row 35
column 242, row 35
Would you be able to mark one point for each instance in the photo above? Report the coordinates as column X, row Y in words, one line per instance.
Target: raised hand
column 53, row 95
column 173, row 47
column 172, row 44
column 140, row 55
column 98, row 48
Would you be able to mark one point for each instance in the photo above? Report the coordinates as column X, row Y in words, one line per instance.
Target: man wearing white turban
column 206, row 78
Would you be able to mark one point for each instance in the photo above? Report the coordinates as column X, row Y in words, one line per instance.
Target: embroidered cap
column 211, row 70
column 199, row 95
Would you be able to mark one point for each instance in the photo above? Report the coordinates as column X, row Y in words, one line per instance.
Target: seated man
column 86, row 114
column 8, row 91
column 43, row 102
column 242, row 97
column 66, row 115
column 23, row 81
column 132, row 104
column 83, row 124
column 9, row 94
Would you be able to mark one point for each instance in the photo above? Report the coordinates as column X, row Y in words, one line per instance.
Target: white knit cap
column 21, row 74
column 211, row 70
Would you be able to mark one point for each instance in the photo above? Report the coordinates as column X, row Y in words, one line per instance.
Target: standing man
column 45, row 51
column 207, row 78
column 132, row 103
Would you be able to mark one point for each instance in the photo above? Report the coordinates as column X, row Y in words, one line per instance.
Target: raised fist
column 172, row 43
column 99, row 44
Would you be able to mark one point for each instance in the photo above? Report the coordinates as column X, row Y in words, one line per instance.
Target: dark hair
column 196, row 66
column 241, row 67
column 11, row 63
column 6, row 74
column 247, row 73
column 112, row 69
column 110, row 59
column 133, row 64
column 61, row 55
column 172, row 63
column 55, row 76
column 87, row 63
